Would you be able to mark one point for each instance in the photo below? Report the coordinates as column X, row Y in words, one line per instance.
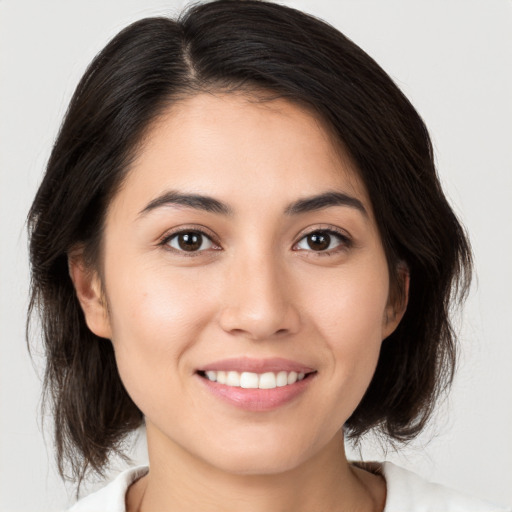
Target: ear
column 397, row 303
column 89, row 292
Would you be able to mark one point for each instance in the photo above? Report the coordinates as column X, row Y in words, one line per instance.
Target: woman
column 241, row 242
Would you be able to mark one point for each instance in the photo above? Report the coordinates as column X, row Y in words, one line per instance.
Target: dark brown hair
column 240, row 45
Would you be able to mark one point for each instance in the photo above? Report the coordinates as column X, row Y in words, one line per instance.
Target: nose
column 260, row 302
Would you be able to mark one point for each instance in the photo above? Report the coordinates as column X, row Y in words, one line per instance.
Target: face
column 246, row 284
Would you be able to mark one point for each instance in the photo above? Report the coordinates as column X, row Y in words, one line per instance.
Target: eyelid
column 168, row 235
column 346, row 238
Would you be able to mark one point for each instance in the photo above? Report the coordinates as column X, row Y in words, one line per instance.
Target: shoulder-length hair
column 254, row 46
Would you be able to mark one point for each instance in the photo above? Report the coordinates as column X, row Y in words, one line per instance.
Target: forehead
column 241, row 148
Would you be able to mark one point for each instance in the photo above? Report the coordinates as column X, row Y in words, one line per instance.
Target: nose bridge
column 259, row 300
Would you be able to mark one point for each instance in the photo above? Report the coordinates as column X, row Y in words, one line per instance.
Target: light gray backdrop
column 453, row 58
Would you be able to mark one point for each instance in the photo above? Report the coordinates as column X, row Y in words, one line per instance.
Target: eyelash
column 345, row 242
column 189, row 254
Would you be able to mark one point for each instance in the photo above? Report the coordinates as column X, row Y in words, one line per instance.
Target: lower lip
column 258, row 400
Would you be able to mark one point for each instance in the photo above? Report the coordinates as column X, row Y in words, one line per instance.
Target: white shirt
column 406, row 492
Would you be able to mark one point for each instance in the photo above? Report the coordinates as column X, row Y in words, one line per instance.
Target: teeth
column 233, row 379
column 267, row 381
column 281, row 379
column 212, row 376
column 292, row 377
column 250, row 380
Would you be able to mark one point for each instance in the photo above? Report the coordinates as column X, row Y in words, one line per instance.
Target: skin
column 257, row 290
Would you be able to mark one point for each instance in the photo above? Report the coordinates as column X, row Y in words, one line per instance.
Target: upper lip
column 247, row 364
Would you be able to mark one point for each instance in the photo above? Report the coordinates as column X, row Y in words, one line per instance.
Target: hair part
column 229, row 46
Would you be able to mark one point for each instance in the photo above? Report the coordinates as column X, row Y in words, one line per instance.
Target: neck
column 179, row 481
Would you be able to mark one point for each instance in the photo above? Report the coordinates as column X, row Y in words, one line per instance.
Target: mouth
column 251, row 380
column 256, row 384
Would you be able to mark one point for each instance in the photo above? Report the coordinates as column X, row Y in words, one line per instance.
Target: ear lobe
column 397, row 304
column 89, row 292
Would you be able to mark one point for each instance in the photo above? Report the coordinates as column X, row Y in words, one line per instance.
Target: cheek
column 155, row 319
column 349, row 319
column 350, row 306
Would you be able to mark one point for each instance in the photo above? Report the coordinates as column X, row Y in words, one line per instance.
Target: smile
column 251, row 380
column 256, row 385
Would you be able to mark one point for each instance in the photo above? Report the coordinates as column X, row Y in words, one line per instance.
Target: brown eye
column 189, row 241
column 323, row 241
column 318, row 241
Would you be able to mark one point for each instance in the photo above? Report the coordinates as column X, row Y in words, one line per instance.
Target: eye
column 323, row 241
column 189, row 241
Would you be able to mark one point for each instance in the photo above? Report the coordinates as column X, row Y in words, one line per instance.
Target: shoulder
column 111, row 498
column 408, row 492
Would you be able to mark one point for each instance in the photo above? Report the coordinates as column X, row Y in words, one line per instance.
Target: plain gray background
column 453, row 58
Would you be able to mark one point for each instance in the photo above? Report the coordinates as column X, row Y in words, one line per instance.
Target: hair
column 249, row 46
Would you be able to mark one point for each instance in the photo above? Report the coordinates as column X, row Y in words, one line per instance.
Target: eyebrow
column 212, row 205
column 195, row 201
column 325, row 200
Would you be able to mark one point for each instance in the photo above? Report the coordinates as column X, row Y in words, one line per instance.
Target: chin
column 258, row 458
